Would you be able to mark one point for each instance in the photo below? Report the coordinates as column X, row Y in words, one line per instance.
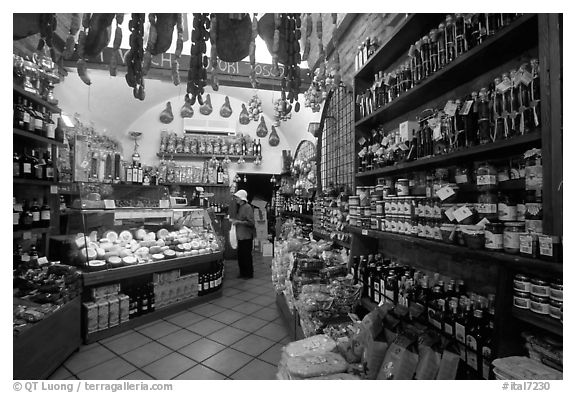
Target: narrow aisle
column 237, row 336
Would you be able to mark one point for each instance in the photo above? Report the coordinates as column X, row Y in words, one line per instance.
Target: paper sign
column 526, row 78
column 42, row 261
column 462, row 213
column 445, row 192
column 504, row 86
column 361, row 141
column 466, row 107
column 517, row 79
column 18, row 207
column 437, row 132
column 483, row 223
column 109, row 204
column 365, row 232
column 450, row 108
column 53, row 189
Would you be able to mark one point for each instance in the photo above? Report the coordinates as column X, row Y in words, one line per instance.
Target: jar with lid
column 555, row 309
column 487, row 206
column 494, row 236
column 557, row 290
column 522, row 283
column 461, row 175
column 534, row 213
column 539, row 287
column 484, row 134
column 507, row 209
column 402, row 188
column 512, row 232
column 539, row 305
column 486, row 176
column 521, row 300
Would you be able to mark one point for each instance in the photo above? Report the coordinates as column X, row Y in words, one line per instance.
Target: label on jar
column 546, row 246
column 445, row 193
column 421, row 230
column 27, row 168
column 507, row 212
column 394, row 207
column 494, row 241
column 428, row 211
column 534, row 177
column 556, row 294
column 512, row 240
column 540, row 290
column 466, row 107
column 487, row 208
column 486, row 180
column 520, row 212
column 461, row 179
column 462, row 213
column 437, row 233
column 539, row 308
column 526, row 244
column 437, row 211
column 555, row 312
column 522, row 286
column 534, row 226
column 521, row 302
column 450, row 213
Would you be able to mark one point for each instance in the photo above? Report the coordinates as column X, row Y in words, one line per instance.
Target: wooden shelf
column 197, row 185
column 298, row 215
column 508, row 185
column 414, row 27
column 120, row 273
column 188, row 156
column 509, row 42
column 472, row 153
column 545, row 322
column 32, row 136
column 463, row 253
column 37, row 99
column 39, row 231
column 327, row 237
column 154, row 315
column 33, row 182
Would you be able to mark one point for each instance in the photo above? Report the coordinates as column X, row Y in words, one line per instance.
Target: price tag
column 517, row 79
column 18, row 207
column 462, row 213
column 117, row 222
column 361, row 141
column 27, row 235
column 109, row 204
column 365, row 232
column 437, row 132
column 445, row 192
column 53, row 189
column 504, row 86
column 483, row 223
column 42, row 261
column 466, row 107
column 450, row 108
column 403, row 146
column 526, row 78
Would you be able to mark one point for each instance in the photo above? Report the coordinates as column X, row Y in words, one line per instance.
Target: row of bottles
column 298, row 205
column 213, row 171
column 507, row 108
column 467, row 318
column 35, row 118
column 28, row 216
column 135, row 173
column 365, row 50
column 171, row 143
column 23, row 260
column 142, row 300
column 458, row 34
column 210, row 281
column 217, row 207
column 34, row 164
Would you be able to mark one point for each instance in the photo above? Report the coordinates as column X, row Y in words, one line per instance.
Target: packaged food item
column 124, row 304
column 316, row 365
column 103, row 314
column 521, row 367
column 311, row 345
column 114, row 311
column 521, row 300
column 494, row 236
column 512, row 232
column 91, row 313
column 522, row 283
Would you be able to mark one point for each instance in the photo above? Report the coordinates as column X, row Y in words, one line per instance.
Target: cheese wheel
column 160, row 243
column 115, row 261
column 111, row 235
column 155, row 249
column 106, row 246
column 88, row 253
column 100, row 252
column 151, row 236
column 164, row 248
column 194, row 252
column 195, row 244
column 162, row 233
column 93, row 236
column 126, row 236
column 179, row 254
column 169, row 253
column 130, row 260
column 140, row 234
column 187, row 246
column 157, row 257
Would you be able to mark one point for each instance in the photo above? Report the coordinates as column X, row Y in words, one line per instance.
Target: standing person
column 245, row 231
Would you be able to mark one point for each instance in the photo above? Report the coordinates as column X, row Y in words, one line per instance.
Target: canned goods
column 539, row 288
column 402, row 187
column 539, row 305
column 522, row 283
column 521, row 300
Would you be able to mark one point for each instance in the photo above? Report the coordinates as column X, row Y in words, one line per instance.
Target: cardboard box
column 124, row 302
column 91, row 314
column 103, row 314
column 114, row 311
column 267, row 249
column 408, row 129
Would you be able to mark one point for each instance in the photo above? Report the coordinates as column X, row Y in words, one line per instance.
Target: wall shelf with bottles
column 37, row 99
column 32, row 136
column 507, row 43
column 463, row 253
column 120, row 273
column 38, row 231
column 33, row 182
column 188, row 156
column 541, row 321
column 152, row 316
column 519, row 142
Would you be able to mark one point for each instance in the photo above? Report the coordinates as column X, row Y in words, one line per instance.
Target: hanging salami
column 274, row 139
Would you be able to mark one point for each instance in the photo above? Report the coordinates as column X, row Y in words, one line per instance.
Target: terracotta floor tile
column 263, row 300
column 272, row 355
column 249, row 324
column 256, row 370
column 146, row 354
column 227, row 361
column 228, row 316
column 247, row 308
column 224, row 303
column 209, row 309
column 160, row 329
column 185, row 318
column 245, row 295
column 266, row 314
column 201, row 349
column 273, row 332
column 169, row 366
column 111, row 369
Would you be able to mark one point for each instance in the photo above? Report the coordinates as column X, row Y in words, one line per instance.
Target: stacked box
column 114, row 311
column 169, row 289
column 124, row 301
column 105, row 291
column 103, row 314
column 91, row 313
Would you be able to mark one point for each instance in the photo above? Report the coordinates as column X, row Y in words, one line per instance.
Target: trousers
column 245, row 258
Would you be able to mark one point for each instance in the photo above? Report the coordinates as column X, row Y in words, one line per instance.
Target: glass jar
column 402, row 187
column 507, row 209
column 555, row 309
column 487, row 206
column 534, row 212
column 512, row 232
column 437, row 230
column 436, row 209
column 494, row 236
column 539, row 288
column 557, row 290
column 521, row 300
column 486, row 177
column 462, row 176
column 539, row 305
column 529, row 244
column 522, row 283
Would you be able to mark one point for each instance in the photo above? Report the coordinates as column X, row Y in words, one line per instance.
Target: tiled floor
column 237, row 336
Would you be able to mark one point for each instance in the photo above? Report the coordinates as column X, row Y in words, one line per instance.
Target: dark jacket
column 245, row 229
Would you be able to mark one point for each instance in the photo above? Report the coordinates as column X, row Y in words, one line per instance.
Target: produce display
column 131, row 247
column 41, row 291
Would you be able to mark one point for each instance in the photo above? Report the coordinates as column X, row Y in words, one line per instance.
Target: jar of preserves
column 512, row 232
column 486, row 177
column 402, row 187
column 521, row 300
column 555, row 309
column 494, row 236
column 539, row 288
column 437, row 230
column 507, row 209
column 557, row 290
column 487, row 206
column 436, row 210
column 522, row 283
column 539, row 305
column 462, row 176
column 534, row 212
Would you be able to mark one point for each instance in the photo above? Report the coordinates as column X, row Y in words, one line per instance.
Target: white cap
column 243, row 195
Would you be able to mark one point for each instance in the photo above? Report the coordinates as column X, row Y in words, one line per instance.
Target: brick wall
column 364, row 25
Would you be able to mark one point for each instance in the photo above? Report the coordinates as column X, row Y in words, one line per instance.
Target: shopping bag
column 233, row 240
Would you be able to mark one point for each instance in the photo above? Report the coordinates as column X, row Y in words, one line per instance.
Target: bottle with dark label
column 434, row 55
column 19, row 114
column 26, row 117
column 498, row 112
column 460, row 32
column 220, row 174
column 417, row 73
column 49, row 172
column 45, row 214
column 49, row 125
column 151, row 298
column 129, row 174
column 450, row 316
column 474, row 341
column 425, row 54
column 38, row 121
column 26, row 217
column 484, row 117
column 33, row 253
column 35, row 210
column 450, row 39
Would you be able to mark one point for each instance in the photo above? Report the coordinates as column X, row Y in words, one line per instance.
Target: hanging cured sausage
column 262, row 130
column 166, row 116
column 274, row 139
column 244, row 117
column 226, row 110
column 206, row 107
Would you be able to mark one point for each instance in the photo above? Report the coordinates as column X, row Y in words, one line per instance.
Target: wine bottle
column 45, row 214
column 19, row 114
column 28, row 120
column 26, row 217
column 474, row 341
column 33, row 262
column 16, row 165
column 50, row 127
column 220, row 174
column 38, row 121
column 129, row 174
column 16, row 213
column 35, row 210
column 49, row 172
